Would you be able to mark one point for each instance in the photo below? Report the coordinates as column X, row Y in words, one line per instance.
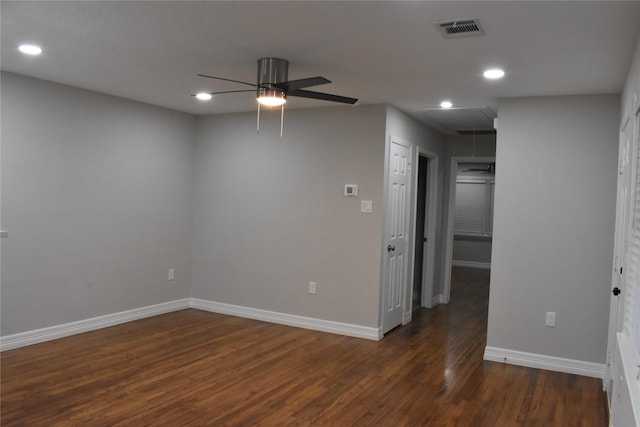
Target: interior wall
column 271, row 215
column 471, row 249
column 470, row 146
column 553, row 235
column 96, row 197
column 409, row 129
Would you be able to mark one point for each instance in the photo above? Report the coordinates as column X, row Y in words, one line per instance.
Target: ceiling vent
column 460, row 28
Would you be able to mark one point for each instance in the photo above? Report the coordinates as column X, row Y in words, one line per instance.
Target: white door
column 396, row 242
column 621, row 375
column 626, row 157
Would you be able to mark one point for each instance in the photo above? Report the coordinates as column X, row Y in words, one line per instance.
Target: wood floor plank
column 194, row 368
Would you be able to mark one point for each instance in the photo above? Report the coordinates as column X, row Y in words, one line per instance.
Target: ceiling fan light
column 493, row 74
column 30, row 49
column 271, row 98
column 204, row 96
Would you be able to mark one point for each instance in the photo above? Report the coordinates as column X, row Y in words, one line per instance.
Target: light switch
column 366, row 206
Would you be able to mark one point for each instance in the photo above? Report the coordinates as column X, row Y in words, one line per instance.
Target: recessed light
column 446, row 104
column 204, row 96
column 493, row 73
column 30, row 49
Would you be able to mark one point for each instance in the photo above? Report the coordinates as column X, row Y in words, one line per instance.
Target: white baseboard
column 289, row 319
column 540, row 361
column 438, row 299
column 22, row 339
column 472, row 264
column 406, row 318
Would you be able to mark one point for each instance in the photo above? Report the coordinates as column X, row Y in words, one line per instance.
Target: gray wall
column 270, row 214
column 102, row 196
column 96, row 196
column 408, row 129
column 553, row 234
column 471, row 249
column 470, row 145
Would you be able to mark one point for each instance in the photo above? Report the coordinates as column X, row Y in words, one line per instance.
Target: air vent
column 460, row 28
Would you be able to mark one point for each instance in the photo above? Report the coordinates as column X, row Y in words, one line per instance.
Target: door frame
column 451, row 212
column 430, row 228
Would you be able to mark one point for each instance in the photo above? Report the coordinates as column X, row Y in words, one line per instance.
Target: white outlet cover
column 550, row 319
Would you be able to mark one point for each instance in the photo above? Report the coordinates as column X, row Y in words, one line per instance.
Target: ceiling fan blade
column 322, row 96
column 232, row 91
column 301, row 83
column 228, row 80
column 229, row 91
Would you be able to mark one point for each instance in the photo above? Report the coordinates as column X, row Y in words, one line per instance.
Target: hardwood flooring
column 194, row 368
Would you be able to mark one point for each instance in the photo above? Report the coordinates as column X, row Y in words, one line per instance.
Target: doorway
column 424, row 252
column 424, row 237
column 421, row 238
column 474, row 236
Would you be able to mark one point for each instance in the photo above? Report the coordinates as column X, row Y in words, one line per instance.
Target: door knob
column 616, row 291
column 391, row 248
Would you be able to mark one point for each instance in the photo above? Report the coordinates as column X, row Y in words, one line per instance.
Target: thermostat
column 350, row 190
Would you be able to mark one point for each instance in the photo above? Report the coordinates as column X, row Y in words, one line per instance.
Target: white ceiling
column 379, row 52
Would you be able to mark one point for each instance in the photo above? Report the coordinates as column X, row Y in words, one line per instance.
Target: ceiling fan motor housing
column 270, row 71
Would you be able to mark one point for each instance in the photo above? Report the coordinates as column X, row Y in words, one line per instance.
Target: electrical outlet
column 312, row 287
column 551, row 319
column 172, row 274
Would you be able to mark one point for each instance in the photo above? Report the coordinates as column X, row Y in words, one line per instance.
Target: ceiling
column 380, row 52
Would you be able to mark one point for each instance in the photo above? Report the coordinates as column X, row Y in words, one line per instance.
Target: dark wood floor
column 203, row 369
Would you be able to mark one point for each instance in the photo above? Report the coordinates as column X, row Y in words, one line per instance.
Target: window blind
column 470, row 207
column 474, row 207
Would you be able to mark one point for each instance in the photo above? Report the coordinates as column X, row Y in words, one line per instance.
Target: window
column 474, row 207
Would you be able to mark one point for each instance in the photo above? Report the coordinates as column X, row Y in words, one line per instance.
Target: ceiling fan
column 490, row 169
column 273, row 87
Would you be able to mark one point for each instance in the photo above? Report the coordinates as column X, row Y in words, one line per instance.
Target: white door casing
column 396, row 233
column 429, row 255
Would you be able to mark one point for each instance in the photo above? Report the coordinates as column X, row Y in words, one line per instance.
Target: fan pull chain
column 258, row 120
column 281, row 121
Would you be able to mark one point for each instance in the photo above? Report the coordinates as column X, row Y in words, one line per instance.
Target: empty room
column 327, row 213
